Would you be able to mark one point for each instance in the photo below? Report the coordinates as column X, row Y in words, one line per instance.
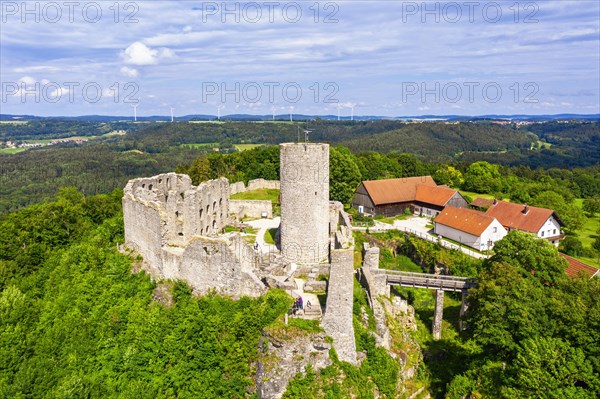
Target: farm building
column 542, row 222
column 390, row 197
column 469, row 227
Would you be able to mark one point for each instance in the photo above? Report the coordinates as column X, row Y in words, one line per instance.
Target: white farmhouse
column 469, row 227
column 542, row 222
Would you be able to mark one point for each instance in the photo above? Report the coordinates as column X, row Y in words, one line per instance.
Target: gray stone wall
column 250, row 208
column 262, row 183
column 185, row 210
column 225, row 264
column 370, row 256
column 337, row 320
column 304, row 229
column 168, row 221
column 237, row 187
column 335, row 208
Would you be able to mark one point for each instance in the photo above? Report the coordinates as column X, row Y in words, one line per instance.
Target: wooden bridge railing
column 431, row 281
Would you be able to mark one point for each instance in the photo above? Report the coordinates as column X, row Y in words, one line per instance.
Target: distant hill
column 303, row 117
column 442, row 142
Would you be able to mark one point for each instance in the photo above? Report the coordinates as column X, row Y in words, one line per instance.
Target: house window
column 554, row 231
column 495, row 230
column 542, row 233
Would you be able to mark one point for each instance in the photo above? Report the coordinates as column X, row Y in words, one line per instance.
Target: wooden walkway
column 431, row 281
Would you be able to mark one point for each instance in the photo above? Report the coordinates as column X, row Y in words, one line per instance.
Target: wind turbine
column 135, row 112
column 338, row 107
column 291, row 109
column 273, row 111
column 219, row 108
column 352, row 112
column 172, row 114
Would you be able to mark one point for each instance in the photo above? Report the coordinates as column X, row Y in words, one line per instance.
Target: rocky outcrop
column 281, row 358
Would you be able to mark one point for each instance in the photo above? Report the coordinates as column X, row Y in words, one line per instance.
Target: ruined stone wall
column 237, row 187
column 225, row 264
column 262, row 183
column 304, row 229
column 370, row 256
column 335, row 208
column 250, row 208
column 185, row 210
column 375, row 286
column 173, row 225
column 337, row 320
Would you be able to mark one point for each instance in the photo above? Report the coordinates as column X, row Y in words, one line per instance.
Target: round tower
column 304, row 229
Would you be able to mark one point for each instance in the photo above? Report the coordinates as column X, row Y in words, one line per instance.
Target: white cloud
column 27, row 80
column 59, row 92
column 140, row 54
column 129, row 72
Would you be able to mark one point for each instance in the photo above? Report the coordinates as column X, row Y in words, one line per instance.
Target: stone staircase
column 312, row 306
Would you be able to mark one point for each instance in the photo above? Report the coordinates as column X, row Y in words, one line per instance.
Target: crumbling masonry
column 175, row 227
column 178, row 229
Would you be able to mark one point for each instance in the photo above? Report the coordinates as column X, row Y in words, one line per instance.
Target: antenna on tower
column 338, row 107
column 291, row 114
column 172, row 114
column 219, row 108
column 273, row 111
column 135, row 112
column 306, row 133
column 352, row 113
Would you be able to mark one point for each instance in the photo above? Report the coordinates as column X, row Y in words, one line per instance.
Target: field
column 200, row 145
column 260, row 194
column 11, row 150
column 475, row 195
column 244, row 147
column 587, row 234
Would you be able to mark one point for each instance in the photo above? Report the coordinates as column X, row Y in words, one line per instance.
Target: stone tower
column 304, row 230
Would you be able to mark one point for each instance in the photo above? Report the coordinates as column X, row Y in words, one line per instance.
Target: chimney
column 495, row 202
column 525, row 209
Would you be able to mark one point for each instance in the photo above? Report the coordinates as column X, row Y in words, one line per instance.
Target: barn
column 391, row 197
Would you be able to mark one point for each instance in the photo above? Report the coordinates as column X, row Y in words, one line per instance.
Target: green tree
column 591, row 206
column 596, row 246
column 550, row 368
column 568, row 212
column 505, row 308
column 448, row 175
column 482, row 177
column 344, row 175
column 535, row 257
column 571, row 246
column 199, row 171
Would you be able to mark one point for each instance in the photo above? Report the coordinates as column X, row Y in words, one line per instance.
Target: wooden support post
column 464, row 305
column 438, row 314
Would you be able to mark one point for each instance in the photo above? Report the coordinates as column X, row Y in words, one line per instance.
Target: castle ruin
column 175, row 227
column 179, row 230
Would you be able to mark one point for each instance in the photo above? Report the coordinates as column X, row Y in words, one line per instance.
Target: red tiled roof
column 512, row 216
column 391, row 191
column 468, row 220
column 577, row 267
column 434, row 195
column 481, row 202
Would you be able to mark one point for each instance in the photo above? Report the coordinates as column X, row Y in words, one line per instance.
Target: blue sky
column 367, row 57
